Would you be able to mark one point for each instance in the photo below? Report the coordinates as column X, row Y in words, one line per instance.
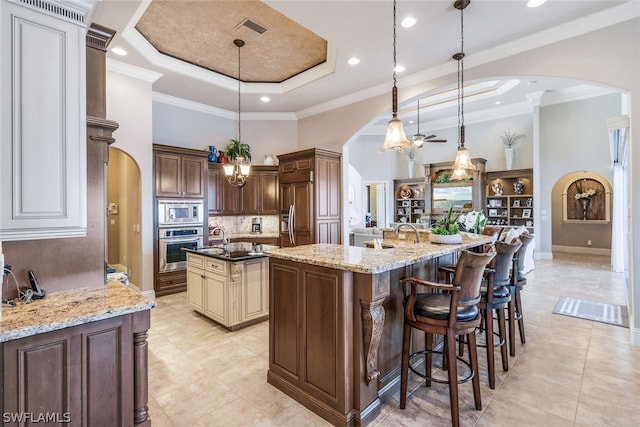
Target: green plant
column 443, row 179
column 237, row 149
column 447, row 225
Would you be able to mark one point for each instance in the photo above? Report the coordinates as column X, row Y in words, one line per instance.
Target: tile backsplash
column 242, row 224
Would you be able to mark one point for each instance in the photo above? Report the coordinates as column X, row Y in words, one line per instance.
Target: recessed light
column 265, row 99
column 353, row 61
column 498, row 102
column 399, row 68
column 118, row 51
column 408, row 22
column 535, row 3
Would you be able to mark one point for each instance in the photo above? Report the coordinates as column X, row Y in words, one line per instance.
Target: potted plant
column 446, row 229
column 237, row 149
column 509, row 140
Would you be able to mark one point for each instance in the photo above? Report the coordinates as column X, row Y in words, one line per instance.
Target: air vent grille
column 66, row 12
column 251, row 28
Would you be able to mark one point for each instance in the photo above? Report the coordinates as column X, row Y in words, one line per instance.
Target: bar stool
column 451, row 312
column 495, row 297
column 517, row 283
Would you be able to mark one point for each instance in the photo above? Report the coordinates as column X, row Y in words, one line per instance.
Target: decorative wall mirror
column 586, row 198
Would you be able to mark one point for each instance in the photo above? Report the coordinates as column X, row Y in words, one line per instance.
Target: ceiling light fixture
column 265, row 99
column 395, row 139
column 118, row 51
column 408, row 22
column 535, row 3
column 462, row 164
column 418, row 139
column 237, row 170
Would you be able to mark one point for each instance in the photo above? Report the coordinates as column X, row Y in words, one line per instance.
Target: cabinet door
column 249, row 195
column 268, row 193
column 216, row 298
column 193, row 176
column 170, row 283
column 168, row 175
column 254, row 297
column 303, row 207
column 195, row 289
column 231, row 198
column 214, row 190
column 286, row 197
column 43, row 133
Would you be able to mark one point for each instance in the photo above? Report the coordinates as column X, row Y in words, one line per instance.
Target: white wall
column 183, row 127
column 129, row 104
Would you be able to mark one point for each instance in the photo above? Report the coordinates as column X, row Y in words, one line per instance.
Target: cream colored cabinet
column 233, row 294
column 43, row 155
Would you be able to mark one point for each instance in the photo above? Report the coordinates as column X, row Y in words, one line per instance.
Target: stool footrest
column 463, row 380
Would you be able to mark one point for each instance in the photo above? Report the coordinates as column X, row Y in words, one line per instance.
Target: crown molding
column 215, row 111
column 132, row 70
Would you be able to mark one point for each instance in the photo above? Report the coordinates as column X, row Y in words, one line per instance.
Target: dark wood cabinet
column 91, row 374
column 310, row 182
column 170, row 283
column 180, row 172
column 259, row 196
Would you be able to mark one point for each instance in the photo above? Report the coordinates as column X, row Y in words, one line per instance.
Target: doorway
column 123, row 239
column 375, row 204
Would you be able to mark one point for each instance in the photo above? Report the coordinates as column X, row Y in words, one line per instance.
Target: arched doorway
column 124, row 244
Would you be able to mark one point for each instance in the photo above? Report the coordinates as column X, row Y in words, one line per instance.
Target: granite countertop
column 239, row 251
column 245, row 236
column 64, row 309
column 369, row 260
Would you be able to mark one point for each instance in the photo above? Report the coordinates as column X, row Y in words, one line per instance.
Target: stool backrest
column 503, row 261
column 525, row 238
column 468, row 275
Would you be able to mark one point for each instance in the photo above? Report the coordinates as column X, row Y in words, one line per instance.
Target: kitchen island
column 336, row 318
column 77, row 357
column 229, row 284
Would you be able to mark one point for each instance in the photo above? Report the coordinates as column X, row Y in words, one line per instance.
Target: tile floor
column 571, row 372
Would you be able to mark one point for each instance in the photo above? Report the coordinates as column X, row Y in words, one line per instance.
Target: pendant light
column 237, row 169
column 418, row 139
column 396, row 139
column 462, row 165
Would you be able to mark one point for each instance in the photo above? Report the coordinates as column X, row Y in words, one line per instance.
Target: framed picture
column 498, row 202
column 529, row 202
column 526, row 213
column 493, row 212
column 516, row 203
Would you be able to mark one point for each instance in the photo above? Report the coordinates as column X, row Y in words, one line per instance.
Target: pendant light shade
column 395, row 139
column 463, row 164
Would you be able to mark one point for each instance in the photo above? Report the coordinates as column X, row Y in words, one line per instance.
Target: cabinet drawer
column 196, row 261
column 216, row 266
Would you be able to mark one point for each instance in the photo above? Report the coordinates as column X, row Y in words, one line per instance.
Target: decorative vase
column 213, row 154
column 269, row 159
column 447, row 239
column 585, row 207
column 411, row 167
column 509, row 152
column 518, row 187
column 222, row 158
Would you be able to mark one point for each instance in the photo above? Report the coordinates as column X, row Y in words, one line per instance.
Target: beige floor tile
column 571, row 372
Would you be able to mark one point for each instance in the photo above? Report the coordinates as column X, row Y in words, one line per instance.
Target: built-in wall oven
column 171, row 240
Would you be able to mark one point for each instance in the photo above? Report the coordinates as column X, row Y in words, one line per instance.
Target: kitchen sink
column 383, row 245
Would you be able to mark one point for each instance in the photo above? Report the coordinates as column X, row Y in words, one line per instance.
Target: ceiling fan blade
column 429, row 137
column 437, row 140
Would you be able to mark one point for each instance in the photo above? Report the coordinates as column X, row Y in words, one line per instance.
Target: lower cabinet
column 93, row 374
column 234, row 294
column 170, row 283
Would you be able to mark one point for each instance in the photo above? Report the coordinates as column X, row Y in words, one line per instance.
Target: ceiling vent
column 251, row 28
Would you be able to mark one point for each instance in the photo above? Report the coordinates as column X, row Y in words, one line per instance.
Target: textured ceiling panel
column 202, row 33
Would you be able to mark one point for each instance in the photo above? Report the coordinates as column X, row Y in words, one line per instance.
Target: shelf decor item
column 518, row 187
column 446, row 229
column 213, row 154
column 510, row 140
column 497, row 188
column 584, row 198
column 405, row 192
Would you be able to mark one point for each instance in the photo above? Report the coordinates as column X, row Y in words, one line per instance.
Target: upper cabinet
column 43, row 145
column 180, row 172
column 259, row 196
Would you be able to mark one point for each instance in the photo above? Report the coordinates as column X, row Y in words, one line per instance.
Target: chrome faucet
column 399, row 226
column 225, row 242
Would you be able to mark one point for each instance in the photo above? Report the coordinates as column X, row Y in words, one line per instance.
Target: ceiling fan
column 419, row 139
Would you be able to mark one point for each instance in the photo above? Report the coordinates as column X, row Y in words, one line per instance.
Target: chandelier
column 237, row 170
column 462, row 164
column 396, row 138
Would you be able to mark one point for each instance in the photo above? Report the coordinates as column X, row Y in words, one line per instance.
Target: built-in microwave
column 180, row 212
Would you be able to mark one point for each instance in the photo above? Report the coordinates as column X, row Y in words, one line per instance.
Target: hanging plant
column 237, row 149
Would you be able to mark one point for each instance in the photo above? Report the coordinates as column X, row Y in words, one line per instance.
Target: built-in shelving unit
column 510, row 198
column 409, row 200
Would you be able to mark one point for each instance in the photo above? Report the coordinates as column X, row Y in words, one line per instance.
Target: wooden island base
column 335, row 336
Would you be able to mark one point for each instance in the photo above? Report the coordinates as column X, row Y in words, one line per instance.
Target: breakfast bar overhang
column 335, row 322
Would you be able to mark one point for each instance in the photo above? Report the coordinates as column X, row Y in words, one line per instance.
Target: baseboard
column 543, row 255
column 581, row 250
